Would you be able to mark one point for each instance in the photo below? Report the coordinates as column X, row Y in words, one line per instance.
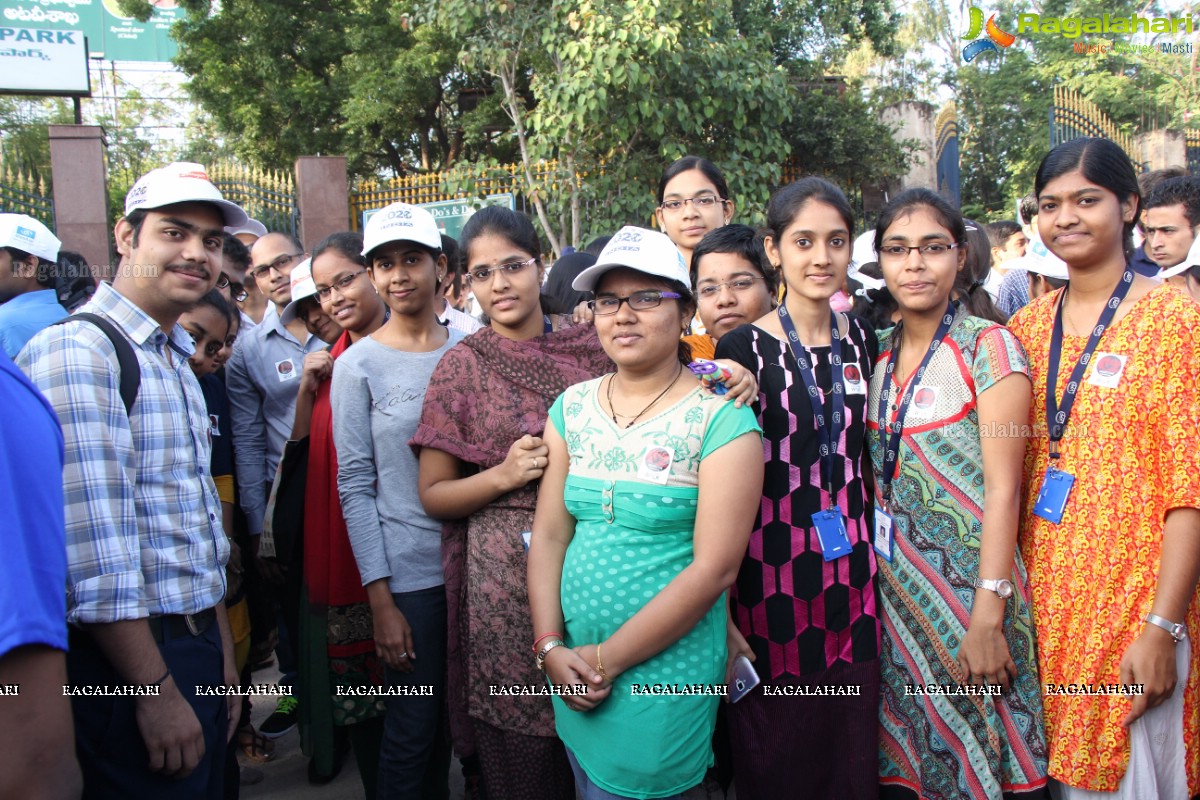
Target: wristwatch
column 1001, row 587
column 1177, row 629
column 546, row 648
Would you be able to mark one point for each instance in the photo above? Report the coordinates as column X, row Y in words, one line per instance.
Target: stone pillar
column 80, row 196
column 912, row 120
column 1161, row 149
column 323, row 196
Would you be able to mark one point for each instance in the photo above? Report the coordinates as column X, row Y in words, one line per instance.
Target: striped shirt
column 143, row 520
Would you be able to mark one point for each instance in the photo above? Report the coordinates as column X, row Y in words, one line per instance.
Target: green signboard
column 110, row 36
column 452, row 215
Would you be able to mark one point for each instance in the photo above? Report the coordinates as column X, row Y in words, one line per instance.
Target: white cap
column 1192, row 259
column 401, row 222
column 641, row 249
column 303, row 287
column 181, row 182
column 1040, row 261
column 863, row 252
column 251, row 226
column 23, row 232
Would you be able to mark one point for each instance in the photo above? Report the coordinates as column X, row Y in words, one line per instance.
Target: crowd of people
column 954, row 551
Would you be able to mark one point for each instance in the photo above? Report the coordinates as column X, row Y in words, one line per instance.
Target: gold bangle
column 599, row 663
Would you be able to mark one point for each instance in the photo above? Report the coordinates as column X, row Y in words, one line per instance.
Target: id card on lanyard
column 830, row 524
column 1057, row 484
column 892, row 434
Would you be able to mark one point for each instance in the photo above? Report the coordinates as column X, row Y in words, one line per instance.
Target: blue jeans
column 108, row 742
column 414, row 759
column 590, row 791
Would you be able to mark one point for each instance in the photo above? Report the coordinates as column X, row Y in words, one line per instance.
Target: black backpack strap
column 127, row 363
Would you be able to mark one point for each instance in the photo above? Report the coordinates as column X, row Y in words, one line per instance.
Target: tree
column 284, row 79
column 1005, row 97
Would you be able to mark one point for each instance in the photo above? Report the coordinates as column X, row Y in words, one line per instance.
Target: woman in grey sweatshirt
column 377, row 394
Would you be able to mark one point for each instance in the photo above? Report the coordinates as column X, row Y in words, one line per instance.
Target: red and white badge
column 1107, row 369
column 853, row 378
column 286, row 370
column 655, row 464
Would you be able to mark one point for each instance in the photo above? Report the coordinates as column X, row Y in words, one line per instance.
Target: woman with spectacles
column 338, row 649
column 693, row 199
column 803, row 609
column 734, row 284
column 961, row 710
column 650, row 494
column 481, row 455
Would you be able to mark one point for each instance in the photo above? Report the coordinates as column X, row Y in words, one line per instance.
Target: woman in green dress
column 635, row 540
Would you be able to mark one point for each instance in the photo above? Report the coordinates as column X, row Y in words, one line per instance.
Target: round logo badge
column 852, row 373
column 924, row 398
column 1108, row 366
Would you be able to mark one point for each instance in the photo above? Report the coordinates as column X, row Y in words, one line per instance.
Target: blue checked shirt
column 143, row 519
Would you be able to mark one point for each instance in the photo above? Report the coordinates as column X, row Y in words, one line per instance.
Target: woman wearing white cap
column 378, row 388
column 635, row 539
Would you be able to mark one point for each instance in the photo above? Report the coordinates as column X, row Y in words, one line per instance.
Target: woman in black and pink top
column 803, row 607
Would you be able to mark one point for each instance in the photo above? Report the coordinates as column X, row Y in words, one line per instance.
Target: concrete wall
column 912, row 120
column 80, row 198
column 1161, row 149
column 323, row 197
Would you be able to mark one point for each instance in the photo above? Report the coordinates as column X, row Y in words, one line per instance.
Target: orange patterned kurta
column 1135, row 453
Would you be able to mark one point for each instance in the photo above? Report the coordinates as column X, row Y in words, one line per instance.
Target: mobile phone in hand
column 744, row 679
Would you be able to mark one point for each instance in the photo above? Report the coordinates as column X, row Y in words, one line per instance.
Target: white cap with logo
column 401, row 222
column 23, row 232
column 1192, row 259
column 1040, row 261
column 303, row 287
column 640, row 249
column 181, row 182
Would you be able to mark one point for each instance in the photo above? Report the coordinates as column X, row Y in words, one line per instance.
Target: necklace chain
column 613, row 410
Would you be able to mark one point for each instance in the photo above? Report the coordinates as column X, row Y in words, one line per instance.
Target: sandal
column 254, row 745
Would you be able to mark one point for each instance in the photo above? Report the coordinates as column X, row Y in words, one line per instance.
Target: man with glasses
column 262, row 377
column 232, row 283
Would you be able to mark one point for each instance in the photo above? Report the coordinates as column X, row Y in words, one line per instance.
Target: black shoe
column 287, row 711
column 317, row 779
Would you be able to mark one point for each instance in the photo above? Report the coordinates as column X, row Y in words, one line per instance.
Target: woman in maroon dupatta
column 338, row 649
column 480, row 457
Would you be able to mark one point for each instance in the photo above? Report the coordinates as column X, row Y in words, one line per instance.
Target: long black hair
column 1102, row 162
column 787, row 201
column 968, row 285
column 513, row 226
column 687, row 163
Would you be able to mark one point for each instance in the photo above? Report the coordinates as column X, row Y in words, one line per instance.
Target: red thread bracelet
column 543, row 636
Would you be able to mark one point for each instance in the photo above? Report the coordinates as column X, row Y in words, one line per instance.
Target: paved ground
column 287, row 775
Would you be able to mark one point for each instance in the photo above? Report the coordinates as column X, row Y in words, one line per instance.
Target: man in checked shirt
column 145, row 547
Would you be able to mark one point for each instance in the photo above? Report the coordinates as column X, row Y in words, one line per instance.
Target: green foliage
column 1005, row 98
column 24, row 134
column 286, row 79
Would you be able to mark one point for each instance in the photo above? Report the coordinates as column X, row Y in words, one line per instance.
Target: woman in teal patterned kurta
column 962, row 438
column 643, row 516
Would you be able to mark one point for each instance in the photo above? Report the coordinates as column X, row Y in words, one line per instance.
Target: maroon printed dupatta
column 486, row 392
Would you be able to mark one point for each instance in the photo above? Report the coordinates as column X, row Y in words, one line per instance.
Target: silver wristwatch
column 1177, row 630
column 1001, row 587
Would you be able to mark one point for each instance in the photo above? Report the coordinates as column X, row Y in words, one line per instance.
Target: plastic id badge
column 525, row 537
column 1052, row 499
column 744, row 679
column 884, row 532
column 831, row 531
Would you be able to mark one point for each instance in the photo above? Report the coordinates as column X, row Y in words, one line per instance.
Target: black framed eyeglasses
column 236, row 290
column 509, row 268
column 341, row 284
column 639, row 301
column 699, row 202
column 899, row 252
column 279, row 265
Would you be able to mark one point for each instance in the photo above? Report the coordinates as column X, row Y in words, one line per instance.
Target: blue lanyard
column 895, row 431
column 827, row 435
column 1056, row 414
column 546, row 326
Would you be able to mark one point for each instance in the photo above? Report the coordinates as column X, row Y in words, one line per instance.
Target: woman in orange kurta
column 1127, row 542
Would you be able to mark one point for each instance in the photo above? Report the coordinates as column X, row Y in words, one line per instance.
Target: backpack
column 127, row 363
